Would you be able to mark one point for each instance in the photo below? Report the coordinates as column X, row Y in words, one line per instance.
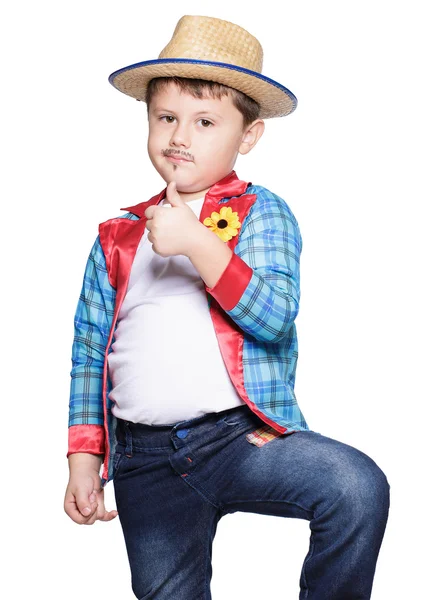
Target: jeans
column 173, row 483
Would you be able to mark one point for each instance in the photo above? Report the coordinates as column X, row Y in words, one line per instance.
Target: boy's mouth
column 175, row 159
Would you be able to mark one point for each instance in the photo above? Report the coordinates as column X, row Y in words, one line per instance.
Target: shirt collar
column 227, row 187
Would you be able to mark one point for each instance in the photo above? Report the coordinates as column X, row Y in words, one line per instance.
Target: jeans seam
column 203, row 495
column 276, row 501
column 303, row 571
column 206, row 567
column 117, row 463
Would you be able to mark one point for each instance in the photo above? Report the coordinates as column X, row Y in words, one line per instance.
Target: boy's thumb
column 83, row 504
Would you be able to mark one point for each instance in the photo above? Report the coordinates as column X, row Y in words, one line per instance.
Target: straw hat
column 211, row 49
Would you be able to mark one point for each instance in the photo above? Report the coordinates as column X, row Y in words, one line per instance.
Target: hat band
column 193, row 61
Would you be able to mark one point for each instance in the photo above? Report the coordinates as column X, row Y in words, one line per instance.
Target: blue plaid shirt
column 270, row 243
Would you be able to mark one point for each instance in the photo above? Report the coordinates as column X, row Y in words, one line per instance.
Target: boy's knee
column 368, row 489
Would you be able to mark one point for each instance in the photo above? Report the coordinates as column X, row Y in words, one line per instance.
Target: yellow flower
column 225, row 223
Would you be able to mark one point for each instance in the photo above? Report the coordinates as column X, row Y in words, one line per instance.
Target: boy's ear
column 252, row 134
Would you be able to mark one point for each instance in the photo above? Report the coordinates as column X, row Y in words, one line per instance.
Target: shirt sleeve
column 92, row 322
column 260, row 287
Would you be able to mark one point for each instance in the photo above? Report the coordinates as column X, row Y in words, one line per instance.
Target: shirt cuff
column 232, row 283
column 86, row 438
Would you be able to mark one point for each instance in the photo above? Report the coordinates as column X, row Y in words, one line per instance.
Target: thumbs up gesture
column 172, row 230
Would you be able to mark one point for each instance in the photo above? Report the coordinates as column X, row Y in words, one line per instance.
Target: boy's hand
column 84, row 498
column 172, row 230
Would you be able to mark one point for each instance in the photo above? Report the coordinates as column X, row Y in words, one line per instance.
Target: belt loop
column 128, row 449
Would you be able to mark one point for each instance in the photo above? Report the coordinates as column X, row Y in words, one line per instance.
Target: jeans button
column 182, row 433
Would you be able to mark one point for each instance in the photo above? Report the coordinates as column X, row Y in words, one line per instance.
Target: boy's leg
column 339, row 489
column 168, row 527
column 177, row 484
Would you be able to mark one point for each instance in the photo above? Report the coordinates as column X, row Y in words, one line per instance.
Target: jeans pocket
column 118, row 459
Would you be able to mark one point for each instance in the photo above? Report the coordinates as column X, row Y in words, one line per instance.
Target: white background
column 359, row 162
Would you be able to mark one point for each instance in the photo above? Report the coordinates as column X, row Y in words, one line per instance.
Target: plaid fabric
column 261, row 436
column 92, row 324
column 270, row 243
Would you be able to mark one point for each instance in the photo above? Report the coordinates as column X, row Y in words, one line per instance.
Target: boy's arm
column 91, row 331
column 260, row 287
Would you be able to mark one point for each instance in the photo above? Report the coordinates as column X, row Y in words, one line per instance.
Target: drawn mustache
column 186, row 155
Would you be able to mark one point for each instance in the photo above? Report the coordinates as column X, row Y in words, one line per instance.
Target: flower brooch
column 225, row 223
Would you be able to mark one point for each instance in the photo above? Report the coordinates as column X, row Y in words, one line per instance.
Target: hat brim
column 275, row 100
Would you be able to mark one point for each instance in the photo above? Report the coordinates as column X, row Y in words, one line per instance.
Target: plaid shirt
column 253, row 307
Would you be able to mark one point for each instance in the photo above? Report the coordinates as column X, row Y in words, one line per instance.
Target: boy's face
column 207, row 132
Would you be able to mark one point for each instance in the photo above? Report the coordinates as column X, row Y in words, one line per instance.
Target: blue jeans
column 173, row 483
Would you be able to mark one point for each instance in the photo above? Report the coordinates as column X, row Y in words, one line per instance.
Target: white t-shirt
column 165, row 365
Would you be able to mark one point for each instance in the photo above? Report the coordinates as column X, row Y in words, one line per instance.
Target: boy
column 185, row 347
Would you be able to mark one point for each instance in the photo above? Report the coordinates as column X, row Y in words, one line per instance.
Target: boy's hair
column 199, row 88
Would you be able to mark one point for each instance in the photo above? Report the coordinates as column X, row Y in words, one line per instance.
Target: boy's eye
column 206, row 125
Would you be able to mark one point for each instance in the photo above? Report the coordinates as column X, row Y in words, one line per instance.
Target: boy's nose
column 180, row 138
